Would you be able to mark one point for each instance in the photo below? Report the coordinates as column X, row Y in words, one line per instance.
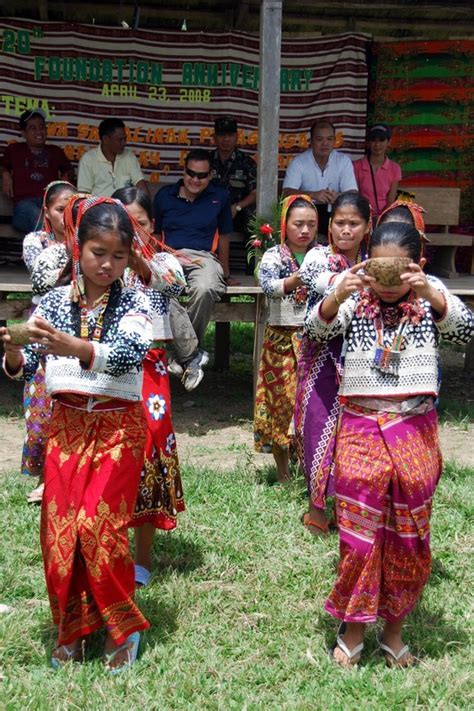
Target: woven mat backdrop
column 425, row 91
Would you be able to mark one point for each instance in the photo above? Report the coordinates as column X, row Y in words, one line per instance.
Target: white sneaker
column 203, row 358
column 193, row 373
column 175, row 368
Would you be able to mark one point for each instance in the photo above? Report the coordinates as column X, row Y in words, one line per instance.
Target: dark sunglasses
column 195, row 174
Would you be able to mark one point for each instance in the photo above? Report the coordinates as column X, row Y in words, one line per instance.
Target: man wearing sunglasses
column 27, row 168
column 192, row 216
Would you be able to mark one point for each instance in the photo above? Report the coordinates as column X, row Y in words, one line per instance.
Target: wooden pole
column 269, row 105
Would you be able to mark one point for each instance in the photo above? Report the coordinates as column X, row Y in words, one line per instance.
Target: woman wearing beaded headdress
column 93, row 335
column 320, row 364
column 387, row 458
column 280, row 280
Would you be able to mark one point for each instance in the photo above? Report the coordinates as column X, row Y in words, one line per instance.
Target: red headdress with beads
column 415, row 210
column 142, row 241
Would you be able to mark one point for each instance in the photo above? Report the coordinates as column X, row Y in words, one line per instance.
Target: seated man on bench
column 28, row 167
column 190, row 215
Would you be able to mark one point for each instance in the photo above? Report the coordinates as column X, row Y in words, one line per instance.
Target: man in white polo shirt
column 110, row 166
column 320, row 172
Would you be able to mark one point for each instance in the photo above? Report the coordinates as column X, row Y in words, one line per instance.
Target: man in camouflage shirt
column 237, row 172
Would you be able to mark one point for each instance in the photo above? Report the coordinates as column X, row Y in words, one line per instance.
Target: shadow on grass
column 175, row 554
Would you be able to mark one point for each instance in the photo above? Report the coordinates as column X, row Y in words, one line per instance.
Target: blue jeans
column 26, row 214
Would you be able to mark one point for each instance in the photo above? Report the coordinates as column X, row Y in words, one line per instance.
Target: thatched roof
column 428, row 19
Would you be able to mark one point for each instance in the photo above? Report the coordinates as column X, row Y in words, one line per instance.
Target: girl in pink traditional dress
column 387, row 459
column 320, row 363
column 280, row 280
column 36, row 402
column 160, row 495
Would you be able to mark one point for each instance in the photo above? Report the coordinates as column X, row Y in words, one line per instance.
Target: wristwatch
column 238, row 208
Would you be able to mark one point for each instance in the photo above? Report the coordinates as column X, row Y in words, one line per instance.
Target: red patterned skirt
column 387, row 467
column 160, row 494
column 276, row 389
column 92, row 470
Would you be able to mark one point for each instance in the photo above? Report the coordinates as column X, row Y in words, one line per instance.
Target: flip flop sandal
column 316, row 529
column 131, row 644
column 350, row 653
column 392, row 658
column 72, row 655
column 142, row 575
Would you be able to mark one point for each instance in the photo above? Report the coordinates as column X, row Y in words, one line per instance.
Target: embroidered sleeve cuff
column 100, row 355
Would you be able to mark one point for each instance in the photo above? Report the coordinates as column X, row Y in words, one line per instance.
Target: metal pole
column 269, row 105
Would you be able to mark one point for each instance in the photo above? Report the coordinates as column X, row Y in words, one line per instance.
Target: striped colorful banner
column 169, row 88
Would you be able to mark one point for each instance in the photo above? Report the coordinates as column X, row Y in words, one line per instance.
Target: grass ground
column 236, row 609
column 236, row 612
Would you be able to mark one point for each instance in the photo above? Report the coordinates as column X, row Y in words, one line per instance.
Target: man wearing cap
column 321, row 172
column 27, row 168
column 110, row 166
column 377, row 176
column 237, row 172
column 193, row 216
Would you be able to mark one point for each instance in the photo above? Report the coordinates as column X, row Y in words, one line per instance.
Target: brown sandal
column 316, row 529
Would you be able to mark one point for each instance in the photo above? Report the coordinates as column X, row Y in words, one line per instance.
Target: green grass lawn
column 236, row 611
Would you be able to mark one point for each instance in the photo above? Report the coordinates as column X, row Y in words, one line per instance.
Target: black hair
column 399, row 234
column 321, row 123
column 198, row 154
column 56, row 189
column 401, row 213
column 132, row 194
column 109, row 125
column 300, row 202
column 353, row 198
column 105, row 217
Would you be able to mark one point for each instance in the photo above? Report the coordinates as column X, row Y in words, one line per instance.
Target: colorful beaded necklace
column 101, row 305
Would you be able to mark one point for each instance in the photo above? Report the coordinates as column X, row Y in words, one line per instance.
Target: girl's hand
column 352, row 281
column 292, row 283
column 55, row 342
column 13, row 356
column 417, row 280
column 139, row 265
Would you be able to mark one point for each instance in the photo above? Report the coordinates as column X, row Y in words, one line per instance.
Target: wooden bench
column 442, row 209
column 15, row 279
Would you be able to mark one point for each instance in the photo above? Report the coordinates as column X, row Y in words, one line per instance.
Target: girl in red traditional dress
column 387, row 459
column 160, row 496
column 280, row 280
column 36, row 402
column 94, row 335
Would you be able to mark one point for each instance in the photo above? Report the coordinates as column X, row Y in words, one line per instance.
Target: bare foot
column 281, row 460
